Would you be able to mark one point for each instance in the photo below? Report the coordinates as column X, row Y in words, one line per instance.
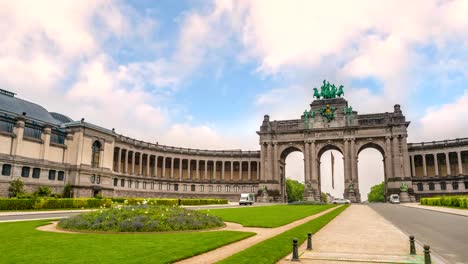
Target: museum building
column 50, row 149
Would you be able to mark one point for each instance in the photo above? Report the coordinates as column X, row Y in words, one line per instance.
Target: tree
column 295, row 190
column 376, row 193
column 16, row 188
column 324, row 197
column 67, row 191
column 43, row 191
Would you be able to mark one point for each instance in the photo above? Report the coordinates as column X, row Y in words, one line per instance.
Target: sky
column 202, row 74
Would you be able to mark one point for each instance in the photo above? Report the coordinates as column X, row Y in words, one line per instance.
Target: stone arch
column 329, row 146
column 285, row 150
column 371, row 144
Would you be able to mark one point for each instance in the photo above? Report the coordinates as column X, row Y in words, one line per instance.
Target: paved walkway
column 358, row 235
column 448, row 210
column 262, row 234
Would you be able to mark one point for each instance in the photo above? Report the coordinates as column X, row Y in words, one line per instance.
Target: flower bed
column 451, row 201
column 169, row 201
column 141, row 218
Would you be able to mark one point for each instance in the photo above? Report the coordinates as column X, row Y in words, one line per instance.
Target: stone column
column 460, row 167
column 413, row 169
column 404, row 146
column 262, row 160
column 18, row 139
column 206, row 170
column 240, row 170
column 180, row 169
column 396, row 158
column 214, row 170
column 141, row 164
column 45, row 143
column 133, row 162
column 189, row 173
column 148, row 159
column 389, row 158
column 258, row 170
column 269, row 172
column 347, row 162
column 424, row 165
column 119, row 160
column 447, row 162
column 275, row 164
column 232, row 171
column 436, row 165
column 307, row 162
column 126, row 162
column 172, row 167
column 354, row 160
column 155, row 166
column 163, row 167
column 222, row 169
column 197, row 173
column 249, row 172
column 313, row 163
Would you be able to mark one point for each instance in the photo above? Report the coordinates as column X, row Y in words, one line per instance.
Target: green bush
column 16, row 188
column 43, row 191
column 202, row 201
column 449, row 201
column 52, row 203
column 376, row 193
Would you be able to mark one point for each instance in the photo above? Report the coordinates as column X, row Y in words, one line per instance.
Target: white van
column 247, row 198
column 394, row 199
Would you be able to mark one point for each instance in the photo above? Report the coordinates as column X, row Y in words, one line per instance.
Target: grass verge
column 25, row 244
column 275, row 248
column 267, row 216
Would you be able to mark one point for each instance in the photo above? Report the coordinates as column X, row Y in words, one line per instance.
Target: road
column 447, row 234
column 25, row 216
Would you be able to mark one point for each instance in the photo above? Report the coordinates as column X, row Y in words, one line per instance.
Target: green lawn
column 275, row 248
column 22, row 243
column 268, row 216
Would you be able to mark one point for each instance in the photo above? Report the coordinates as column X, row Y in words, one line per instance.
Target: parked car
column 247, row 198
column 340, row 201
column 394, row 199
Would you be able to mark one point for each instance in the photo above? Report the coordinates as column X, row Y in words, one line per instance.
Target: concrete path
column 448, row 210
column 358, row 235
column 262, row 234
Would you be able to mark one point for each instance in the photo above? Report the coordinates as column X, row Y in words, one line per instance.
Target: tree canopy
column 295, row 190
column 376, row 193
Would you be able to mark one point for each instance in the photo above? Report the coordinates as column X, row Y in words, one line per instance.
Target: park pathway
column 358, row 235
column 261, row 235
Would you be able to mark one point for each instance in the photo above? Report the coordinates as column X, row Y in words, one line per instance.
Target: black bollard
column 295, row 256
column 412, row 246
column 427, row 255
column 309, row 241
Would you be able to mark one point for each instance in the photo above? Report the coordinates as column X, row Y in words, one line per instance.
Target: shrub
column 43, row 191
column 450, row 201
column 52, row 203
column 67, row 191
column 141, row 218
column 376, row 193
column 168, row 201
column 16, row 188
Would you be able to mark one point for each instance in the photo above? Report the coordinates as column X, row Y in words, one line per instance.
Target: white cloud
column 451, row 117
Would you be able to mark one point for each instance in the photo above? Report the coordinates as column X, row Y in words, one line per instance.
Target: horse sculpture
column 340, row 91
column 316, row 93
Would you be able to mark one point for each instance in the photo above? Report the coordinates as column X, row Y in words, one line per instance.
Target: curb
column 434, row 210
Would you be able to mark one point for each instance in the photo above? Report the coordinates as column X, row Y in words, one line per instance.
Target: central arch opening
column 332, row 173
column 292, row 162
column 370, row 168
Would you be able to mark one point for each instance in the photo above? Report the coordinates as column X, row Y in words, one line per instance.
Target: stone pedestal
column 351, row 195
column 263, row 199
column 404, row 197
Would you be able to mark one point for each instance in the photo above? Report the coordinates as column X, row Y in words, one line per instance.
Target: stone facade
column 49, row 149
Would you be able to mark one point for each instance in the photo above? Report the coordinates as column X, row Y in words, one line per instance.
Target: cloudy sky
column 203, row 73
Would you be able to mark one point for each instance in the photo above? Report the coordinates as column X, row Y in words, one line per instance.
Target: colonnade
column 447, row 163
column 177, row 167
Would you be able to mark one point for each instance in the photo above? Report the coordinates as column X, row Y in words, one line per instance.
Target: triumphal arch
column 331, row 123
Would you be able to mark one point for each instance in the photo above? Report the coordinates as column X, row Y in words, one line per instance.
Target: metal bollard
column 427, row 255
column 309, row 241
column 412, row 246
column 295, row 256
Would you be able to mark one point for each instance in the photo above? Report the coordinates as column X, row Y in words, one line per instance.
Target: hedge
column 169, row 201
column 52, row 203
column 451, row 201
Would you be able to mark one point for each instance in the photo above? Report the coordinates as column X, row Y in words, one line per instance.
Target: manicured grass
column 268, row 216
column 275, row 248
column 22, row 243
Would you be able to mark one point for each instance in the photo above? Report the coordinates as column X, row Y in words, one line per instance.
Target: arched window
column 96, row 152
